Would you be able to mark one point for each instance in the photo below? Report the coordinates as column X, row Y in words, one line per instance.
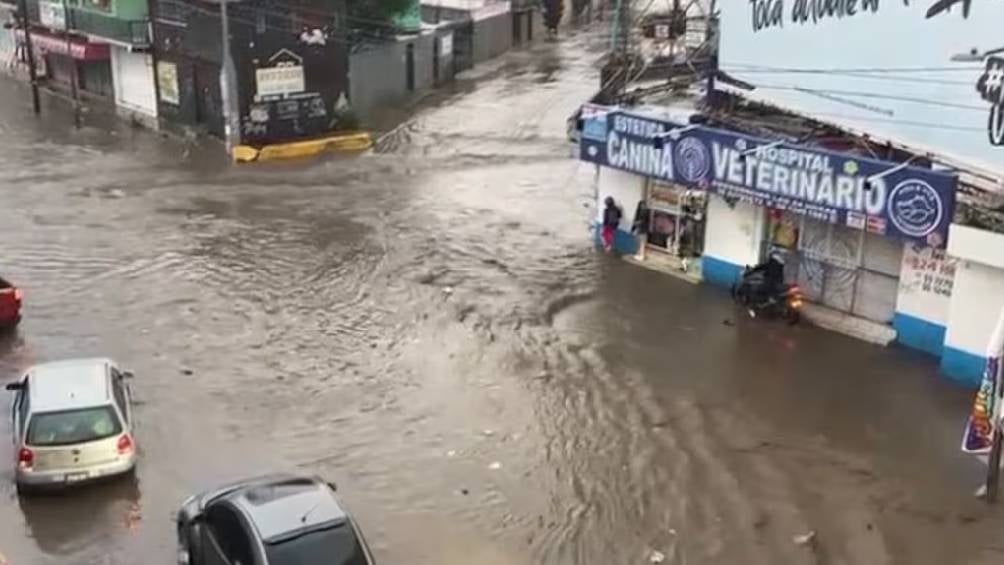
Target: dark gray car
column 274, row 520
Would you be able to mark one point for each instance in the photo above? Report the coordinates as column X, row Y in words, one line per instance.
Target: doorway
column 409, row 62
column 676, row 222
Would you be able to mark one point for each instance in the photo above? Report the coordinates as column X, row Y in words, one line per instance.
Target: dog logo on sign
column 915, row 208
column 693, row 160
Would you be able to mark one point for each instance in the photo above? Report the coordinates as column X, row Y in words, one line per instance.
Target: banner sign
column 867, row 194
column 977, row 438
column 942, row 94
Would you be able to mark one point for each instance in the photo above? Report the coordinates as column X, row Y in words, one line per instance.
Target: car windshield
column 67, row 427
column 331, row 546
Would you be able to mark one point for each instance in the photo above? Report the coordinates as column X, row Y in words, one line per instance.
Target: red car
column 10, row 305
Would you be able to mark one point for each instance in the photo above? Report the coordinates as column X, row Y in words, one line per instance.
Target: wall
column 378, row 75
column 732, row 240
column 627, row 189
column 926, row 283
column 492, row 36
column 976, row 303
column 275, row 110
column 7, row 56
column 975, row 307
column 132, row 75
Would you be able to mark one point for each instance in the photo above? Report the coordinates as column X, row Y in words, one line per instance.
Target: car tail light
column 125, row 444
column 17, row 294
column 25, row 458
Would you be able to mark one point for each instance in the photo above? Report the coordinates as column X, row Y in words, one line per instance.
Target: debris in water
column 728, row 322
column 981, row 492
column 464, row 492
column 448, row 290
column 451, row 453
column 805, row 539
column 672, row 531
column 133, row 517
column 187, row 372
column 488, row 433
column 495, row 466
column 657, row 557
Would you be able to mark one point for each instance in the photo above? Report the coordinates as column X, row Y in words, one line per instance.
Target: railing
column 133, row 32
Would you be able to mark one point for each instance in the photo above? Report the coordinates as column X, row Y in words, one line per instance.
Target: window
column 24, row 406
column 67, row 427
column 228, row 531
column 336, row 545
column 118, row 389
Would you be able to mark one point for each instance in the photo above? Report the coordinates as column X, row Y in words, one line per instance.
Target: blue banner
column 868, row 194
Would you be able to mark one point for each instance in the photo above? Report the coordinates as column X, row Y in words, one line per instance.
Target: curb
column 347, row 142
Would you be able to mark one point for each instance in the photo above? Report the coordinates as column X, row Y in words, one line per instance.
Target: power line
column 876, row 96
column 867, row 76
column 814, row 70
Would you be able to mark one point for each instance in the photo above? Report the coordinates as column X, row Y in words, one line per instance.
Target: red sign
column 75, row 48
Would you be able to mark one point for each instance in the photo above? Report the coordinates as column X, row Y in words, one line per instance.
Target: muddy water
column 429, row 327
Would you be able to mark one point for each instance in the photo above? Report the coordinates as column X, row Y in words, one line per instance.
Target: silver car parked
column 72, row 423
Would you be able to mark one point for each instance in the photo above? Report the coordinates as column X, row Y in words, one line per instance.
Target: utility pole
column 22, row 9
column 228, row 86
column 73, row 73
column 709, row 37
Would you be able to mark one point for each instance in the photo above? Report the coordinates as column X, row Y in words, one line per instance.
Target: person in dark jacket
column 640, row 227
column 611, row 219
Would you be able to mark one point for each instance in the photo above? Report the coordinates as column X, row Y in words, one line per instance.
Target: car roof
column 285, row 504
column 74, row 383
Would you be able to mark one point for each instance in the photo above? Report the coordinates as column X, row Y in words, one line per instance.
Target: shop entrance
column 850, row 270
column 676, row 220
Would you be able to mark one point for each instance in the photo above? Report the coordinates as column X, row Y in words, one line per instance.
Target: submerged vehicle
column 10, row 305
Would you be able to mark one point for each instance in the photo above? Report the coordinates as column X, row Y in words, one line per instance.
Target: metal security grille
column 846, row 269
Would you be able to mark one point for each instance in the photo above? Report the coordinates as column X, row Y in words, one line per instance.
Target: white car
column 72, row 423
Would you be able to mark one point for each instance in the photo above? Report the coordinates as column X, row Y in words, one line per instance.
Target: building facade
column 903, row 254
column 100, row 49
column 290, row 66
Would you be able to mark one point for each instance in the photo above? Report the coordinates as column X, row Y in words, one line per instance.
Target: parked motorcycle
column 780, row 301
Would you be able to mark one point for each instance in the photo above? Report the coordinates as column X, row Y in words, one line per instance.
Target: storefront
column 841, row 221
column 675, row 219
column 63, row 60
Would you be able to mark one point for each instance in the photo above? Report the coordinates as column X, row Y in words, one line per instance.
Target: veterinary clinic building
column 866, row 239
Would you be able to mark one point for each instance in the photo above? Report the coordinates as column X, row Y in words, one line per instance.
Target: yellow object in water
column 356, row 141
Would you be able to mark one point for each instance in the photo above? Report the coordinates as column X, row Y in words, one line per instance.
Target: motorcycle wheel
column 792, row 316
column 740, row 296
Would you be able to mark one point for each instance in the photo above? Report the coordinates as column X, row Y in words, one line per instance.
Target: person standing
column 640, row 228
column 611, row 220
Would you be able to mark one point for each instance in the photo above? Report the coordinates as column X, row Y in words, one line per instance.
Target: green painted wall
column 410, row 19
column 121, row 9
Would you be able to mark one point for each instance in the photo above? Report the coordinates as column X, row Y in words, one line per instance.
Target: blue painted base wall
column 919, row 334
column 625, row 242
column 718, row 272
column 962, row 366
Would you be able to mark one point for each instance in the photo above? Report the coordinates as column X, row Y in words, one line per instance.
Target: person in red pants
column 611, row 219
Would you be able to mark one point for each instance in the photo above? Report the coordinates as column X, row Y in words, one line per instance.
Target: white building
column 939, row 99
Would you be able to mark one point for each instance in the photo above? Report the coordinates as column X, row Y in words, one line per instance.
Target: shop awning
column 79, row 49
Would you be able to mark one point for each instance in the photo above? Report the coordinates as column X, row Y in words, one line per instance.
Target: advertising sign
column 446, row 45
column 283, row 76
column 977, row 437
column 167, row 82
column 925, row 73
column 882, row 197
column 52, row 15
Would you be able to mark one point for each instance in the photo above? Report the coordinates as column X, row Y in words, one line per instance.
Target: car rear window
column 67, row 427
column 337, row 545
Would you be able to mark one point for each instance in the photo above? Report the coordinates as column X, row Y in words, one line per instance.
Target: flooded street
column 430, row 327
